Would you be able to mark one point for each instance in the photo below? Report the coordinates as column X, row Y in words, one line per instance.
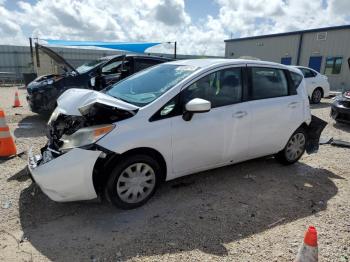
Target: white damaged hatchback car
column 172, row 120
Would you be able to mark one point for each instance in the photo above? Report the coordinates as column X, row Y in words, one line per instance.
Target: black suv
column 97, row 74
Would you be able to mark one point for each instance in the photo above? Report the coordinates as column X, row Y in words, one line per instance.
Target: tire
column 292, row 153
column 316, row 96
column 133, row 181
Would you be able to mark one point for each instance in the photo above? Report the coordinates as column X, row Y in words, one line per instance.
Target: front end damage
column 65, row 166
column 64, row 177
column 340, row 110
column 314, row 131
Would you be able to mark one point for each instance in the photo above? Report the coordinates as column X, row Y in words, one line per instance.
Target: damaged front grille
column 63, row 125
column 94, row 114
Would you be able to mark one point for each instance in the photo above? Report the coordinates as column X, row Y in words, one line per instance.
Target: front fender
column 314, row 131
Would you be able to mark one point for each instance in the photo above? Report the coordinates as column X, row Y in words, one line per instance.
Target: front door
column 206, row 140
column 114, row 71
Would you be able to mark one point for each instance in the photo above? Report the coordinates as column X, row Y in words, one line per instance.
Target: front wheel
column 294, row 149
column 133, row 181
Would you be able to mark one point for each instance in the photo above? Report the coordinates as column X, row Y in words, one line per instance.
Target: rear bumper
column 314, row 131
column 67, row 177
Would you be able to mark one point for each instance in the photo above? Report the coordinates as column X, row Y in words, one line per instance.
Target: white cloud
column 164, row 20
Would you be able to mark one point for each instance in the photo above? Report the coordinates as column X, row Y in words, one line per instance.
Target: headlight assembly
column 85, row 136
column 54, row 115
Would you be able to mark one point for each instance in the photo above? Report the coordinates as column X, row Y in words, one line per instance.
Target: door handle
column 239, row 114
column 293, row 104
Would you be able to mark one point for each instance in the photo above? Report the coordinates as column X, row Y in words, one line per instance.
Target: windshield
column 88, row 66
column 144, row 87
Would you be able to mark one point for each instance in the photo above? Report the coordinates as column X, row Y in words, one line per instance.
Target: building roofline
column 290, row 33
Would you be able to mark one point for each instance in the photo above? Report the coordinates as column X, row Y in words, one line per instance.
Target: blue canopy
column 131, row 47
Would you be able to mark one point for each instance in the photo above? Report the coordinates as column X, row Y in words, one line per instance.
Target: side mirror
column 196, row 105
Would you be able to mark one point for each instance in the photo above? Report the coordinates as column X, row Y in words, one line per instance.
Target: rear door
column 275, row 108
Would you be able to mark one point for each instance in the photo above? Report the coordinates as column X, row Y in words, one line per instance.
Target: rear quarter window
column 296, row 78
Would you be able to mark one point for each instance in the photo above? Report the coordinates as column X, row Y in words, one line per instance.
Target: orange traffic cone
column 7, row 145
column 17, row 102
column 308, row 251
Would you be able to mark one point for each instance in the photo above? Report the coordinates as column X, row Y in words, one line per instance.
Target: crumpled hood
column 73, row 99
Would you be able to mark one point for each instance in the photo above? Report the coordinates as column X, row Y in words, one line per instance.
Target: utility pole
column 37, row 53
column 175, row 50
column 31, row 50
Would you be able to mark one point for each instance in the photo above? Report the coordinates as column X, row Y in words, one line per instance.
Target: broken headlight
column 54, row 115
column 85, row 136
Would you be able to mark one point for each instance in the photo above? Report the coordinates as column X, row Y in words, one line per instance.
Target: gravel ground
column 253, row 211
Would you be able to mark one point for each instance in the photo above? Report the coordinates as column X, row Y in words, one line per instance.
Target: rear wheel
column 133, row 181
column 294, row 149
column 316, row 96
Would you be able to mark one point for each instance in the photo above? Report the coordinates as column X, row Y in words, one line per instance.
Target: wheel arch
column 104, row 166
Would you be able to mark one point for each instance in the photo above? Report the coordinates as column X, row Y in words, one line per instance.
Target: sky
column 199, row 26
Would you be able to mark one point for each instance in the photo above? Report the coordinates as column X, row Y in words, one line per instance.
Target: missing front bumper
column 67, row 177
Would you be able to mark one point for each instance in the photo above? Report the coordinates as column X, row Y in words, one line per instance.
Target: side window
column 333, row 65
column 296, row 78
column 221, row 88
column 111, row 68
column 115, row 67
column 268, row 83
column 141, row 64
column 307, row 73
column 170, row 109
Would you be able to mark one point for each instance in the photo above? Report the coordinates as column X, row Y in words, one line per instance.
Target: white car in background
column 317, row 85
column 169, row 121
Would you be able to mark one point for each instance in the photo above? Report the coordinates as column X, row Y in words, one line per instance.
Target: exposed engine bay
column 93, row 114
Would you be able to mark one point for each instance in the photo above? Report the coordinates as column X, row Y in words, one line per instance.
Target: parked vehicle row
column 96, row 75
column 171, row 120
column 317, row 85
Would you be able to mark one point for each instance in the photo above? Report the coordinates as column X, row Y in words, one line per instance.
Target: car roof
column 136, row 55
column 297, row 66
column 207, row 62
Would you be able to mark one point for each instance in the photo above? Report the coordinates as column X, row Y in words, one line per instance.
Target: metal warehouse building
column 326, row 50
column 17, row 60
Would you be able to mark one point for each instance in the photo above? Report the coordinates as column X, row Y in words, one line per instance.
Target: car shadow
column 342, row 126
column 320, row 105
column 202, row 211
column 31, row 126
column 20, row 176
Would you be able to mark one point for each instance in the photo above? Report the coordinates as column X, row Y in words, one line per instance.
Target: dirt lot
column 254, row 211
